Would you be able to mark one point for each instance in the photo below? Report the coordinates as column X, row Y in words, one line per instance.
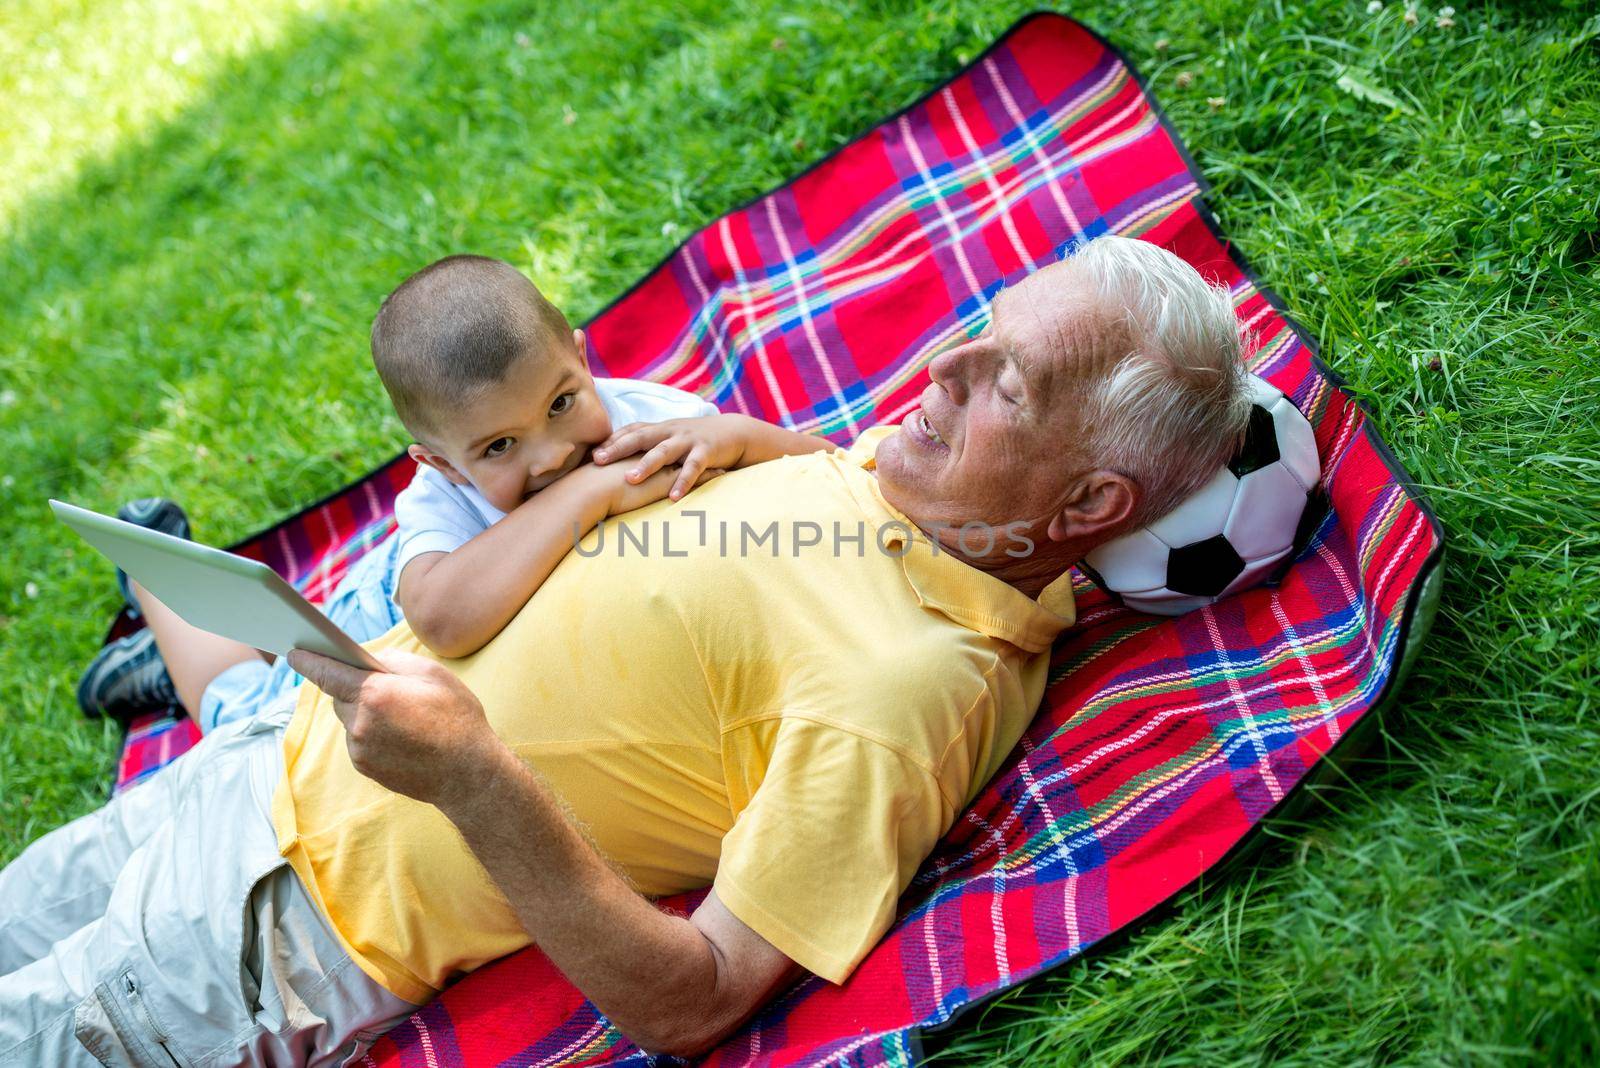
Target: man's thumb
column 338, row 680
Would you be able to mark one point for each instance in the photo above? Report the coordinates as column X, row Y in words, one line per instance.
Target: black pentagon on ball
column 1203, row 568
column 1317, row 506
column 1260, row 446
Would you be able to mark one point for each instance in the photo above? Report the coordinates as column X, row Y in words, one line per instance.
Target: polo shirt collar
column 957, row 590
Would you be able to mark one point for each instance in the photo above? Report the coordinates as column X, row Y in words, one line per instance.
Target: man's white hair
column 1173, row 410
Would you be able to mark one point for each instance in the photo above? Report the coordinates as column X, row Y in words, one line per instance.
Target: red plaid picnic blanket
column 1162, row 742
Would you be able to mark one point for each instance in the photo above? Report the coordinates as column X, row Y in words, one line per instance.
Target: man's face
column 996, row 436
column 524, row 432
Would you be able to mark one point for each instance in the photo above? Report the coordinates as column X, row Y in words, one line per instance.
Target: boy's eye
column 499, row 446
column 563, row 403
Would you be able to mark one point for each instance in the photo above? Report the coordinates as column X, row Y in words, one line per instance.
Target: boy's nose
column 551, row 459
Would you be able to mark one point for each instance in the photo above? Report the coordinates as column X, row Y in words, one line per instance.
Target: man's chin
column 896, row 468
column 891, row 452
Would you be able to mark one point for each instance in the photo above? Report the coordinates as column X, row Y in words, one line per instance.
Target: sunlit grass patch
column 81, row 79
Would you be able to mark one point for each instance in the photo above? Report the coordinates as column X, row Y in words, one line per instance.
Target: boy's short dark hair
column 455, row 327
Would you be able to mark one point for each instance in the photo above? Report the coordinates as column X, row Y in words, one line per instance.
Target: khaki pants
column 165, row 929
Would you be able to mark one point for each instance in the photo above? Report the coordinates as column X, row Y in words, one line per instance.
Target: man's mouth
column 919, row 426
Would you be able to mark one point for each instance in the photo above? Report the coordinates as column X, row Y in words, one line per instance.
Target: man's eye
column 499, row 446
column 562, row 404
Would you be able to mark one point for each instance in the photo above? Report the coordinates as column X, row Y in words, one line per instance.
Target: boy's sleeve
column 637, row 401
column 432, row 518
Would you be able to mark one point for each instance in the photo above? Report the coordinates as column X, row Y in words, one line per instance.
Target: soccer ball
column 1234, row 532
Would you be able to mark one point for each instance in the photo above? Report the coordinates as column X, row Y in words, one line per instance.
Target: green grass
column 190, row 256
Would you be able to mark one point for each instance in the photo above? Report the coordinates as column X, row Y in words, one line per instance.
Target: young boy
column 493, row 383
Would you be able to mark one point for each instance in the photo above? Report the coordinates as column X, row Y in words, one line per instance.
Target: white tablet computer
column 215, row 590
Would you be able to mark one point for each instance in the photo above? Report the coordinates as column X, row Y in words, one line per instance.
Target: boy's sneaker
column 126, row 678
column 154, row 513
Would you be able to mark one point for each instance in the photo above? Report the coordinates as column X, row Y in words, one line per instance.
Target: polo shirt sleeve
column 816, row 861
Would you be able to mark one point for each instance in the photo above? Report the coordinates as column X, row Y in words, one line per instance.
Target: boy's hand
column 696, row 445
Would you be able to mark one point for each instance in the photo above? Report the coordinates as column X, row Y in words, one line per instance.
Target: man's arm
column 456, row 601
column 671, row 984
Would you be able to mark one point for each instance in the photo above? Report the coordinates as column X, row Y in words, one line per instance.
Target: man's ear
column 424, row 455
column 1098, row 504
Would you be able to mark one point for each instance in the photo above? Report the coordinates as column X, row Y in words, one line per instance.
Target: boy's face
column 523, row 433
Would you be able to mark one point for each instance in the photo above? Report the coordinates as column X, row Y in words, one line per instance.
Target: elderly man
column 788, row 695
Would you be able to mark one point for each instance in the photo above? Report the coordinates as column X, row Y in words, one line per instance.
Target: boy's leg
column 362, row 605
column 193, row 656
column 220, row 680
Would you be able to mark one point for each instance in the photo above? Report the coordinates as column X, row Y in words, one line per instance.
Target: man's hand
column 415, row 728
column 696, row 445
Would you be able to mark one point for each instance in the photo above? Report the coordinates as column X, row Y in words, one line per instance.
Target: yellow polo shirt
column 733, row 690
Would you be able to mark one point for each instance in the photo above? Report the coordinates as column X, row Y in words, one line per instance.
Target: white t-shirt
column 435, row 515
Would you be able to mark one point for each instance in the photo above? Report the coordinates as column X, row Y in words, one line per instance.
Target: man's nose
column 949, row 370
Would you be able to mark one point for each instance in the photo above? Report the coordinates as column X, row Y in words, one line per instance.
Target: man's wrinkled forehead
column 1057, row 327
